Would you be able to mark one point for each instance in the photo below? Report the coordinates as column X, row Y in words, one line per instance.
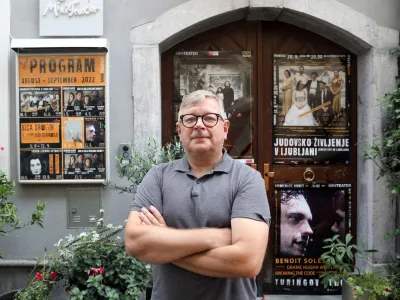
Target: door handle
column 267, row 176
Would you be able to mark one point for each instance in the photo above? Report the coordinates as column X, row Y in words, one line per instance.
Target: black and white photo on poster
column 307, row 214
column 39, row 101
column 84, row 164
column 228, row 75
column 311, row 102
column 94, row 132
column 41, row 164
column 308, row 149
column 311, row 91
column 83, row 101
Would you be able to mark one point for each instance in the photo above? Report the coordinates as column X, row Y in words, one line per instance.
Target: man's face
column 90, row 133
column 314, row 76
column 301, row 70
column 36, row 166
column 338, row 226
column 202, row 139
column 78, row 96
column 295, row 226
column 322, row 86
column 80, row 158
column 95, row 156
column 94, row 94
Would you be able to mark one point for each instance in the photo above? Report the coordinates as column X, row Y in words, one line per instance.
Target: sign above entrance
column 311, row 119
column 71, row 17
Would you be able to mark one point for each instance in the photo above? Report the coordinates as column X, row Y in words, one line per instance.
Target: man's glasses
column 209, row 120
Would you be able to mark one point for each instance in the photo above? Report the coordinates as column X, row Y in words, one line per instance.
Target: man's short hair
column 314, row 73
column 288, row 195
column 339, row 201
column 196, row 97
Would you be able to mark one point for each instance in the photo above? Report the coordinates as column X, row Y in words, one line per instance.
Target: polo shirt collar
column 224, row 165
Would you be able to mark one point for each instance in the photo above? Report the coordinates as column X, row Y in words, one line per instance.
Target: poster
column 228, row 75
column 311, row 109
column 307, row 214
column 62, row 118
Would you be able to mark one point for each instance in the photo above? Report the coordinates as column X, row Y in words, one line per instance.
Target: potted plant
column 92, row 265
column 338, row 267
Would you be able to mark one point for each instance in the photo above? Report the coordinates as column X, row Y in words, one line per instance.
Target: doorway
column 260, row 44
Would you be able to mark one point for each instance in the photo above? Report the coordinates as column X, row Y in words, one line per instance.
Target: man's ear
column 178, row 129
column 226, row 128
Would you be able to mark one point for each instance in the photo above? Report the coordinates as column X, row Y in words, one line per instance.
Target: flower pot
column 8, row 296
column 347, row 292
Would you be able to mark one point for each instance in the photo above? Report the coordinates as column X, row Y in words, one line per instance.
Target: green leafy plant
column 375, row 284
column 339, row 265
column 142, row 160
column 9, row 220
column 93, row 265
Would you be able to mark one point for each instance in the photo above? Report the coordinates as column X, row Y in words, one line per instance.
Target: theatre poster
column 62, row 118
column 311, row 109
column 307, row 214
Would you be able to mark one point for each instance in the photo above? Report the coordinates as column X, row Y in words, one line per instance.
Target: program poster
column 228, row 75
column 62, row 117
column 311, row 109
column 307, row 214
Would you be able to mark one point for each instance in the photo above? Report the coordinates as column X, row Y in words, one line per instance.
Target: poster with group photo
column 62, row 118
column 311, row 109
column 307, row 214
column 227, row 74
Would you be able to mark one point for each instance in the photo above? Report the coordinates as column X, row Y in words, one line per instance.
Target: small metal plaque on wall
column 71, row 17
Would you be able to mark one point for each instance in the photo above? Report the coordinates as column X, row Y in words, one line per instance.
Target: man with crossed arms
column 202, row 221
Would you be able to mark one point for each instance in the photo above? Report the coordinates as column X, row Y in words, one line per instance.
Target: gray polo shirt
column 231, row 190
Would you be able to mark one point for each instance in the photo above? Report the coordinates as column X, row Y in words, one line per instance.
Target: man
column 295, row 223
column 229, row 95
column 339, row 208
column 96, row 101
column 325, row 114
column 202, row 220
column 300, row 76
column 97, row 163
column 32, row 100
column 325, row 76
column 90, row 133
column 313, row 90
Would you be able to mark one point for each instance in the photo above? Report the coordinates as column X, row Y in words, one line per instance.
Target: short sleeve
column 251, row 199
column 149, row 191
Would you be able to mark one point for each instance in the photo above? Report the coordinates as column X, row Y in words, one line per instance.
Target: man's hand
column 152, row 217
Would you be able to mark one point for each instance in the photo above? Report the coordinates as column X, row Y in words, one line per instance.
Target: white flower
column 118, row 238
column 102, row 211
column 119, row 227
column 70, row 238
column 95, row 237
column 58, row 243
column 83, row 234
column 100, row 220
column 110, row 226
column 92, row 220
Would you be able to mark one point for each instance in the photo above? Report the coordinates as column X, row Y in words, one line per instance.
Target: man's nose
column 307, row 229
column 199, row 123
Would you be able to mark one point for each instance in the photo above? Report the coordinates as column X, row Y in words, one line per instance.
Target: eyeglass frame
column 197, row 119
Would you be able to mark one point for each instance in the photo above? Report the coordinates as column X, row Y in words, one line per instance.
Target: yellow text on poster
column 38, row 133
column 57, row 70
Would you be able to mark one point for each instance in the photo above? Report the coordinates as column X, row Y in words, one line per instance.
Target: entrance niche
column 245, row 60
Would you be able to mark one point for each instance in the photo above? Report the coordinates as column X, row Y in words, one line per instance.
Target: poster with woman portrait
column 227, row 74
column 311, row 109
column 41, row 164
column 306, row 215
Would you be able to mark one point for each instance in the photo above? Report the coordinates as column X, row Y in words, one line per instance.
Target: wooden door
column 264, row 39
